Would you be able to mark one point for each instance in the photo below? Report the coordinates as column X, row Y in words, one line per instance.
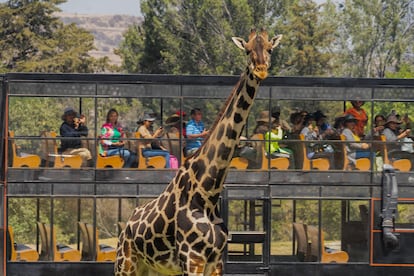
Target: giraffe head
column 258, row 49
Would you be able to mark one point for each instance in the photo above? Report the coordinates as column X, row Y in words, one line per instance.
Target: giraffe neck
column 209, row 166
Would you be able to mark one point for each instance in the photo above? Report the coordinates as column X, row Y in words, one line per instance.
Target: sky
column 129, row 7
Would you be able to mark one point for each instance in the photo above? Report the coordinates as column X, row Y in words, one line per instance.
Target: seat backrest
column 12, row 143
column 87, row 254
column 48, row 146
column 45, row 241
column 51, row 240
column 313, row 237
column 13, row 252
column 345, row 153
column 306, row 162
column 260, row 147
column 302, row 241
column 141, row 158
column 53, row 143
column 93, row 234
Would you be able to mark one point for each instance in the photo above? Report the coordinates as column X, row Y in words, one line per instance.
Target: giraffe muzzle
column 260, row 72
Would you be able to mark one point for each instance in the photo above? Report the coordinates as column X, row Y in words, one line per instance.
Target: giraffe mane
column 220, row 114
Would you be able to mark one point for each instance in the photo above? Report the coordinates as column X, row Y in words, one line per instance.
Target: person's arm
column 106, row 136
column 67, row 131
column 350, row 137
column 83, row 130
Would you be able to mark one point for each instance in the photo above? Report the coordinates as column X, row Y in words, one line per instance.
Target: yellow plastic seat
column 403, row 165
column 61, row 253
column 321, row 164
column 51, row 154
column 113, row 161
column 302, row 247
column 21, row 252
column 103, row 253
column 361, row 164
column 239, row 163
column 155, row 162
column 279, row 163
column 336, row 256
column 30, row 161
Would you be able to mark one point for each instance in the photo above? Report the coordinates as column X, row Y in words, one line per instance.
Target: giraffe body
column 181, row 231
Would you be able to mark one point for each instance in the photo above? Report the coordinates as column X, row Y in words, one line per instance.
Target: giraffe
column 181, row 232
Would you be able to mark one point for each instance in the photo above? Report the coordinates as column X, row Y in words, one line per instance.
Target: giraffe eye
column 248, row 52
column 270, row 51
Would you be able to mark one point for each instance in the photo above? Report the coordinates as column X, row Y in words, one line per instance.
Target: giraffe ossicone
column 181, row 231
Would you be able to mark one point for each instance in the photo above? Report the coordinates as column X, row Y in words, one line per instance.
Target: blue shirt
column 194, row 128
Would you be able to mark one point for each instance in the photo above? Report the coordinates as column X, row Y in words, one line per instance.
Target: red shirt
column 362, row 118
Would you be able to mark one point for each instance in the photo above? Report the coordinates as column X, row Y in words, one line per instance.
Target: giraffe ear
column 239, row 42
column 275, row 40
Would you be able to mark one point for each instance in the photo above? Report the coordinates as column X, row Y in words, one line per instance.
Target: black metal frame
column 260, row 185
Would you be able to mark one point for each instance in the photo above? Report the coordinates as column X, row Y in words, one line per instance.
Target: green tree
column 405, row 72
column 374, row 36
column 32, row 39
column 305, row 48
column 192, row 37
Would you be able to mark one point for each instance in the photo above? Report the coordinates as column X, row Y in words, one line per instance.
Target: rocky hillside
column 107, row 29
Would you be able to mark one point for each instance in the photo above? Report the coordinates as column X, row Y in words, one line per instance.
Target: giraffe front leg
column 218, row 271
column 123, row 263
column 194, row 266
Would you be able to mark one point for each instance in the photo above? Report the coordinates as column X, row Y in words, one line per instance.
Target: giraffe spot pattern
column 238, row 118
column 231, row 133
column 208, row 183
column 211, row 153
column 251, row 91
column 220, row 175
column 197, row 201
column 187, row 240
column 220, row 133
column 192, row 237
column 183, row 221
column 159, row 224
column 242, row 103
column 160, row 245
column 224, row 151
column 201, row 169
column 170, row 212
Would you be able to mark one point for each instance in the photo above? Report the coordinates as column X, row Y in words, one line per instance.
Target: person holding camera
column 72, row 129
column 196, row 132
column 151, row 145
column 111, row 139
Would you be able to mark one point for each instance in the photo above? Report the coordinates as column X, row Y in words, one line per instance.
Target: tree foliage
column 374, row 36
column 355, row 38
column 307, row 37
column 194, row 37
column 33, row 39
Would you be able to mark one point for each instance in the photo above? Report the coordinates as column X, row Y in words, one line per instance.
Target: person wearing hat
column 354, row 149
column 283, row 123
column 73, row 128
column 196, row 132
column 273, row 148
column 263, row 122
column 297, row 119
column 325, row 129
column 175, row 129
column 152, row 146
column 393, row 134
column 312, row 132
column 360, row 115
column 112, row 136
